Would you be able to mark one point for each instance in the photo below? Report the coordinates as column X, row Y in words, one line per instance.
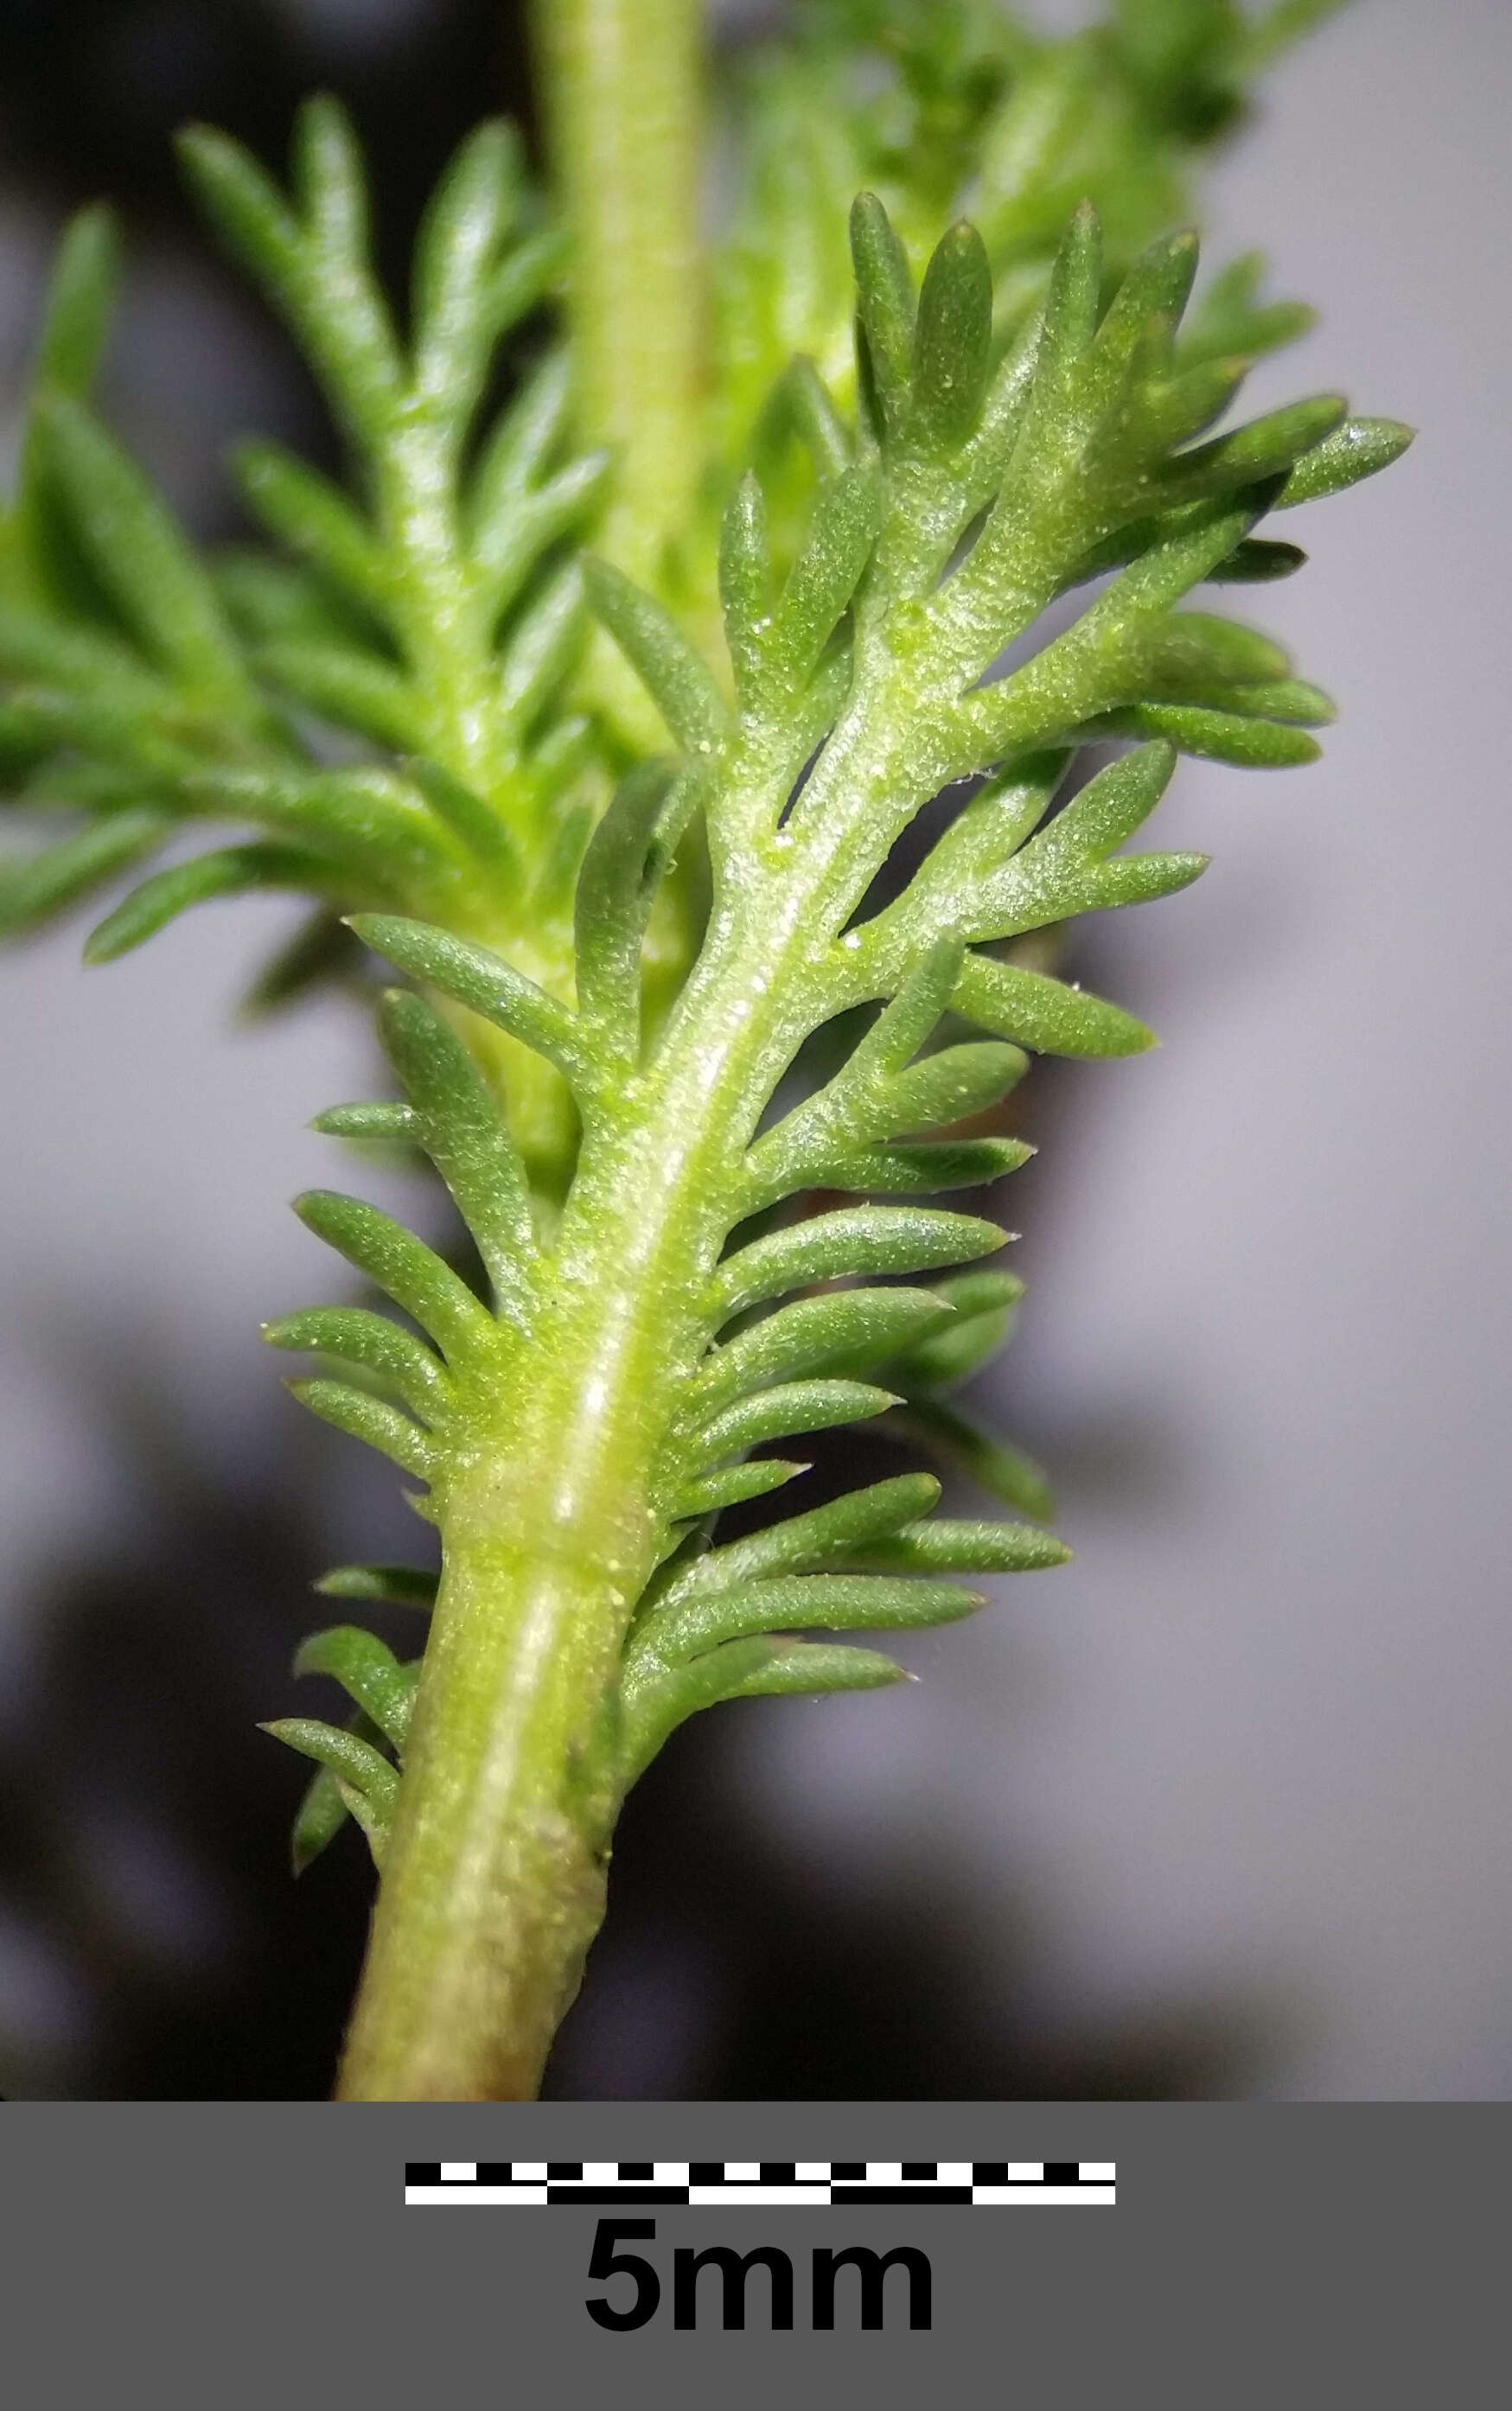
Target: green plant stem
column 441, row 610
column 622, row 82
column 493, row 1877
column 493, row 1883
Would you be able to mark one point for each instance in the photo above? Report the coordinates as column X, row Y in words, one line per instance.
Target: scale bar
column 761, row 2184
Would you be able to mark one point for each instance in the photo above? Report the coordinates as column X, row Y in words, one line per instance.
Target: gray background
column 1248, row 1755
column 1255, row 2256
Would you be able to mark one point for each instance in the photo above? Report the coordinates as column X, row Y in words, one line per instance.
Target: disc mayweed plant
column 629, row 875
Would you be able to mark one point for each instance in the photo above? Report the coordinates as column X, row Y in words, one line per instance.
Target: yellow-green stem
column 493, row 1875
column 621, row 81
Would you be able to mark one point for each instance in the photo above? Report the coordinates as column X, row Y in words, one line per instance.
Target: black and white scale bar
column 760, row 2185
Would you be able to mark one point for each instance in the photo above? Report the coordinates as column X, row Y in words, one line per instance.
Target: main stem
column 622, row 82
column 494, row 1879
column 493, row 1882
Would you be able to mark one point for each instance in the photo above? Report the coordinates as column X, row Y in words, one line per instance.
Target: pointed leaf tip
column 953, row 339
column 1358, row 448
column 673, row 672
column 884, row 303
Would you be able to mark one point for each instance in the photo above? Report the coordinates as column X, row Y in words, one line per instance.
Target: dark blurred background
column 1217, row 1810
